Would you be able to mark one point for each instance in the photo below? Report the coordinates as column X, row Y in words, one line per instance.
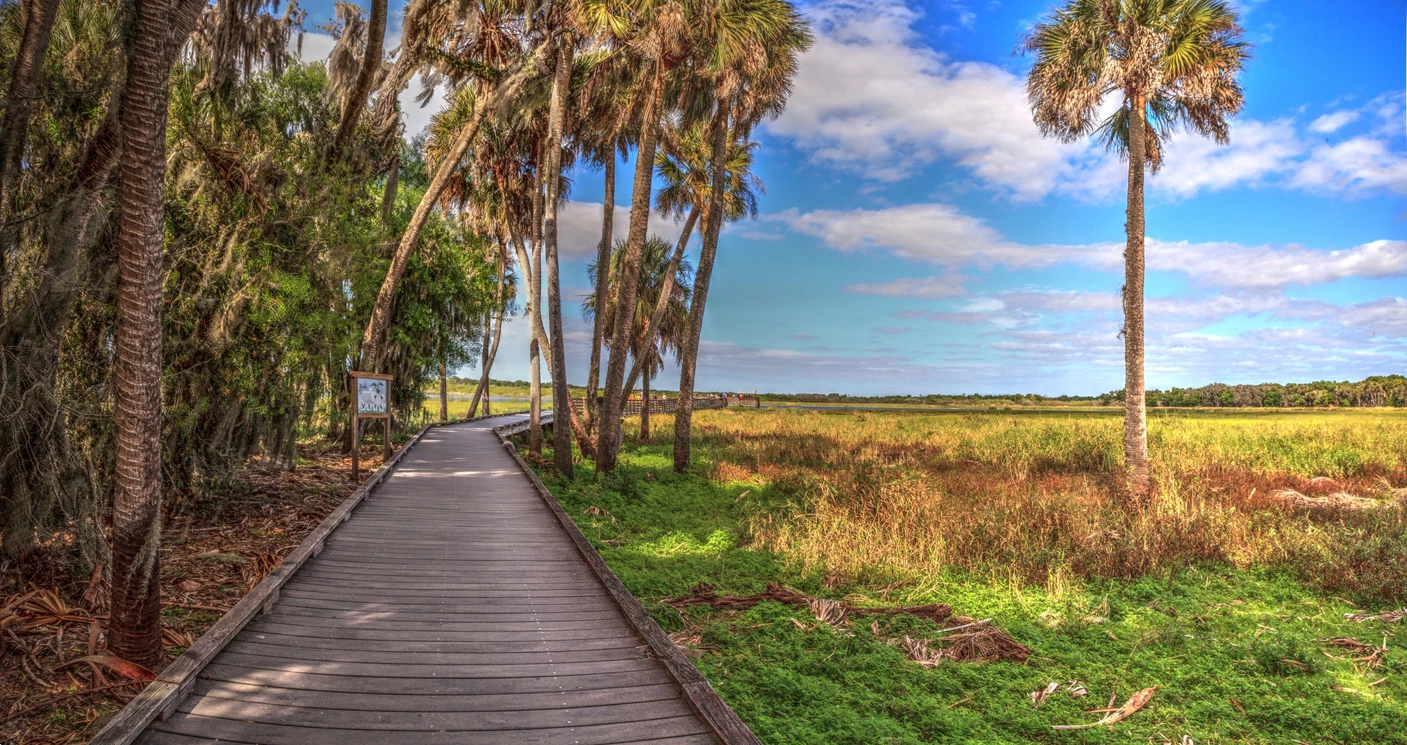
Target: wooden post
column 356, row 434
column 386, row 446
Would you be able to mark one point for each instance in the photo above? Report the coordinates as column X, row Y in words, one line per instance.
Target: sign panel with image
column 372, row 395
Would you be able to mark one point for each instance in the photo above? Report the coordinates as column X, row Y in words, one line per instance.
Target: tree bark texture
column 444, row 393
column 645, row 408
column 627, row 285
column 134, row 625
column 713, row 225
column 1135, row 406
column 603, row 263
column 561, row 395
column 366, row 77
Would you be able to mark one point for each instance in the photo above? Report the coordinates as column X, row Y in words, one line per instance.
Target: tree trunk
column 388, row 195
column 384, row 113
column 684, row 410
column 561, row 397
column 539, row 334
column 535, row 398
column 652, row 326
column 444, row 393
column 603, row 263
column 1135, row 405
column 375, row 333
column 645, row 408
column 366, row 77
column 24, row 84
column 134, row 624
column 628, row 284
column 490, row 352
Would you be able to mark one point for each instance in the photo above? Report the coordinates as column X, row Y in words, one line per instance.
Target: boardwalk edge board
column 701, row 696
column 160, row 698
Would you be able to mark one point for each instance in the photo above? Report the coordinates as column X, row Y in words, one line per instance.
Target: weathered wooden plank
column 496, row 702
column 267, row 734
column 436, row 671
column 520, row 644
column 322, row 631
column 476, row 721
column 436, row 657
column 306, row 681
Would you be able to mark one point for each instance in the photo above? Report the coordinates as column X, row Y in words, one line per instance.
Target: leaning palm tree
column 1174, row 62
column 684, row 168
column 748, row 56
column 663, row 282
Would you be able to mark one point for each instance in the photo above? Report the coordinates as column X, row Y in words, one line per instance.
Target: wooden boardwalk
column 452, row 607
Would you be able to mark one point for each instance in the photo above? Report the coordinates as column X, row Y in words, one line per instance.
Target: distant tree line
column 1378, row 390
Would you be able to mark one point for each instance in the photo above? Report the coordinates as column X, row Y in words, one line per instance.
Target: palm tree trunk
column 491, row 351
column 1135, row 406
column 652, row 327
column 134, row 623
column 388, row 195
column 444, row 393
column 627, row 286
column 539, row 335
column 713, row 225
column 645, row 408
column 24, row 84
column 375, row 333
column 603, row 262
column 561, row 397
column 366, row 77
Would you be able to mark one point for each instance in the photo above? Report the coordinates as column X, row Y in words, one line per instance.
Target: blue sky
column 918, row 235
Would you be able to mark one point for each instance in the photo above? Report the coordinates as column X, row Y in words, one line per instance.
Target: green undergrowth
column 1237, row 655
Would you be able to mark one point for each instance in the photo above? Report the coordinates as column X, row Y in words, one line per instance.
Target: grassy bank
column 1219, row 590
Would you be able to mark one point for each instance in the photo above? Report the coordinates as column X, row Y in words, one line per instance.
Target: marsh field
column 1247, row 590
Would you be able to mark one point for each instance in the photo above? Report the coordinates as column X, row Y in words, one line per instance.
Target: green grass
column 1236, row 654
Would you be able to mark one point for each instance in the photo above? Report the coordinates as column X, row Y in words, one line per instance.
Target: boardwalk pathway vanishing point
column 452, row 606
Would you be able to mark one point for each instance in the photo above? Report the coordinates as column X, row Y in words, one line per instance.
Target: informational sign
column 372, row 395
column 371, row 399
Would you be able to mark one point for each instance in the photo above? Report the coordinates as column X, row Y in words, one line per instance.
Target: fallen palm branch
column 968, row 641
column 1135, row 702
column 1391, row 616
column 706, row 594
column 1338, row 500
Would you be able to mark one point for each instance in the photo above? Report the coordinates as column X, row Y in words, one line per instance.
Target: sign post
column 371, row 399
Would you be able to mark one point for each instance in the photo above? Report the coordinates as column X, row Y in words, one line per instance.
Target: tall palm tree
column 134, row 624
column 657, row 34
column 662, row 282
column 1174, row 63
column 552, row 169
column 748, row 58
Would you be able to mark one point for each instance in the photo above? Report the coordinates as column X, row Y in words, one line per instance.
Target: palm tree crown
column 1178, row 58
